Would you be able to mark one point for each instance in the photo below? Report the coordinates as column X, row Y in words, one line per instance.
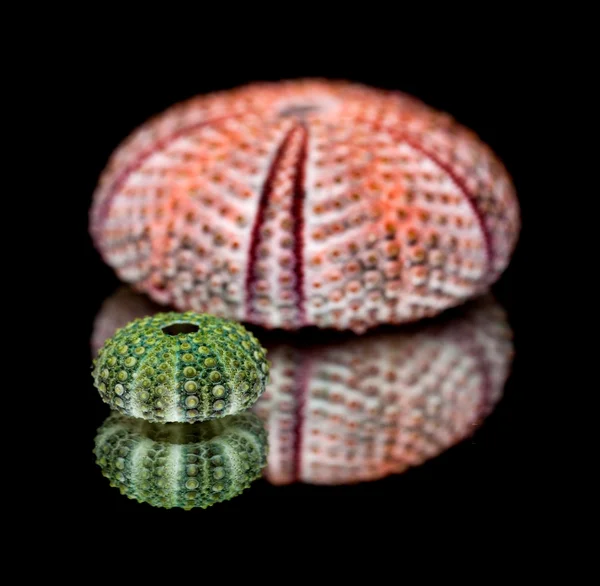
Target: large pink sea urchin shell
column 358, row 409
column 306, row 203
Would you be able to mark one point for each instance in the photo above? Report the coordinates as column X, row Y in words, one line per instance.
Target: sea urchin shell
column 180, row 465
column 175, row 367
column 306, row 203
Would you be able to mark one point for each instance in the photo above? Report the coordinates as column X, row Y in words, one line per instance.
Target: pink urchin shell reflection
column 375, row 405
column 365, row 407
column 306, row 203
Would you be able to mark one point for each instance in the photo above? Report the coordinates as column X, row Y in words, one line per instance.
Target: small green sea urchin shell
column 180, row 465
column 181, row 367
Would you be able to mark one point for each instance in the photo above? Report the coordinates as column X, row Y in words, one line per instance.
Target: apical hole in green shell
column 176, row 329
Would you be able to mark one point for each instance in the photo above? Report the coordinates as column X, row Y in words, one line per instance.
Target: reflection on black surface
column 377, row 404
column 354, row 408
column 181, row 464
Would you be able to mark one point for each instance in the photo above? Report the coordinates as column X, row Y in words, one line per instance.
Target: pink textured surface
column 306, row 203
column 374, row 405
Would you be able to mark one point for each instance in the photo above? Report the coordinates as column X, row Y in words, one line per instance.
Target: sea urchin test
column 181, row 465
column 175, row 367
column 306, row 203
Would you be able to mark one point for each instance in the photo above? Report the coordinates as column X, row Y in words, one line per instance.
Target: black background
column 493, row 91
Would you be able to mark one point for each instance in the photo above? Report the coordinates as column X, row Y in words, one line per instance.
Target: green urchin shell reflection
column 181, row 367
column 180, row 465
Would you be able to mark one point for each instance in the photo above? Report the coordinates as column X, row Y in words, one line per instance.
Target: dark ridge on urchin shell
column 469, row 197
column 297, row 215
column 99, row 215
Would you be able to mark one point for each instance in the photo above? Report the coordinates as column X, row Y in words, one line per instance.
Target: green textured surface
column 219, row 370
column 180, row 465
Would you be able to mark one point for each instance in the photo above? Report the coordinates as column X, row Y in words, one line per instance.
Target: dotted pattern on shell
column 306, row 203
column 376, row 405
column 180, row 465
column 220, row 369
